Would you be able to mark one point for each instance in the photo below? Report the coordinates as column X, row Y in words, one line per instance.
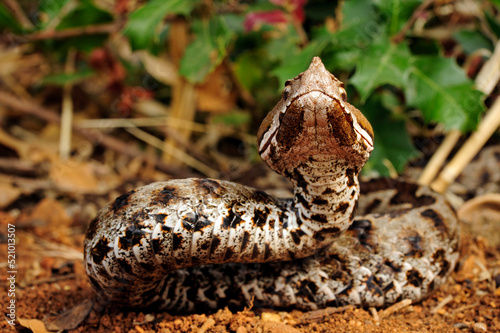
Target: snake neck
column 325, row 194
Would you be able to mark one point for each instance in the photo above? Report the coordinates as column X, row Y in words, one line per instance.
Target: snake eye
column 343, row 94
column 286, row 91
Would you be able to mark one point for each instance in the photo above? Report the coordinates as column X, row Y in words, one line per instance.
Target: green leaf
column 49, row 10
column 493, row 23
column 208, row 49
column 359, row 26
column 472, row 40
column 444, row 94
column 396, row 13
column 142, row 24
column 496, row 3
column 7, row 20
column 84, row 14
column 63, row 78
column 235, row 118
column 383, row 63
column 342, row 59
column 393, row 145
column 278, row 49
column 356, row 12
column 248, row 70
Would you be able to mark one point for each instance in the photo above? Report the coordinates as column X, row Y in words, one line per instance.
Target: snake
column 196, row 244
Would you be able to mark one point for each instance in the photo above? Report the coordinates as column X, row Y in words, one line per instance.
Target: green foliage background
column 390, row 71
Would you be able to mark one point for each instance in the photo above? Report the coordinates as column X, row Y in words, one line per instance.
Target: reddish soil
column 50, row 279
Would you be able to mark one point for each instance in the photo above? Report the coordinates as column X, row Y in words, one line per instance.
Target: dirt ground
column 50, row 280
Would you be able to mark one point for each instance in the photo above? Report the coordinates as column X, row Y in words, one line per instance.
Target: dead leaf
column 216, row 94
column 35, row 325
column 73, row 176
column 160, row 68
column 70, row 319
column 52, row 212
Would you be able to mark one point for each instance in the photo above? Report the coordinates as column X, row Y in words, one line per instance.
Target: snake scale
column 197, row 244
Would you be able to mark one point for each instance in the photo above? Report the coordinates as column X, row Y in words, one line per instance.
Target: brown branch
column 93, row 135
column 18, row 167
column 18, row 13
column 73, row 32
column 398, row 38
column 318, row 315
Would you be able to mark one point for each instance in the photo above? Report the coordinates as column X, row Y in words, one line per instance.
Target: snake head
column 313, row 121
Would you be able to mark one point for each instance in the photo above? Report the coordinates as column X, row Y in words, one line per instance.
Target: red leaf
column 269, row 17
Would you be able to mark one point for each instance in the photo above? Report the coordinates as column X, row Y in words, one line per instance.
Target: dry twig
column 471, row 147
column 318, row 315
column 439, row 157
column 18, row 13
column 67, row 109
column 73, row 32
column 416, row 14
column 465, row 307
column 94, row 136
column 441, row 304
column 170, row 149
column 374, row 314
column 141, row 122
column 395, row 308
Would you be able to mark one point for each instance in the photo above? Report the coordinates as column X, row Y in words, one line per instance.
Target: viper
column 196, row 244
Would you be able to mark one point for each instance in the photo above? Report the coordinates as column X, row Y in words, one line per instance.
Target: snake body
column 192, row 244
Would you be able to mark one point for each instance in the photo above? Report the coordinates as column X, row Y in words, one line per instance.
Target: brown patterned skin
column 193, row 244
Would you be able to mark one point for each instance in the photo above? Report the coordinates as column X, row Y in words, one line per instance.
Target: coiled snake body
column 193, row 244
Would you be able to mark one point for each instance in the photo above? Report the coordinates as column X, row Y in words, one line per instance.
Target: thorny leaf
column 396, row 13
column 383, row 63
column 444, row 94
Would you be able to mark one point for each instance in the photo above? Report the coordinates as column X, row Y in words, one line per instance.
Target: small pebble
column 479, row 327
column 149, row 318
column 270, row 316
column 241, row 329
column 461, row 326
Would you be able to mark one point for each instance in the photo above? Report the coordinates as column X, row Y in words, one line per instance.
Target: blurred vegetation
column 407, row 63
